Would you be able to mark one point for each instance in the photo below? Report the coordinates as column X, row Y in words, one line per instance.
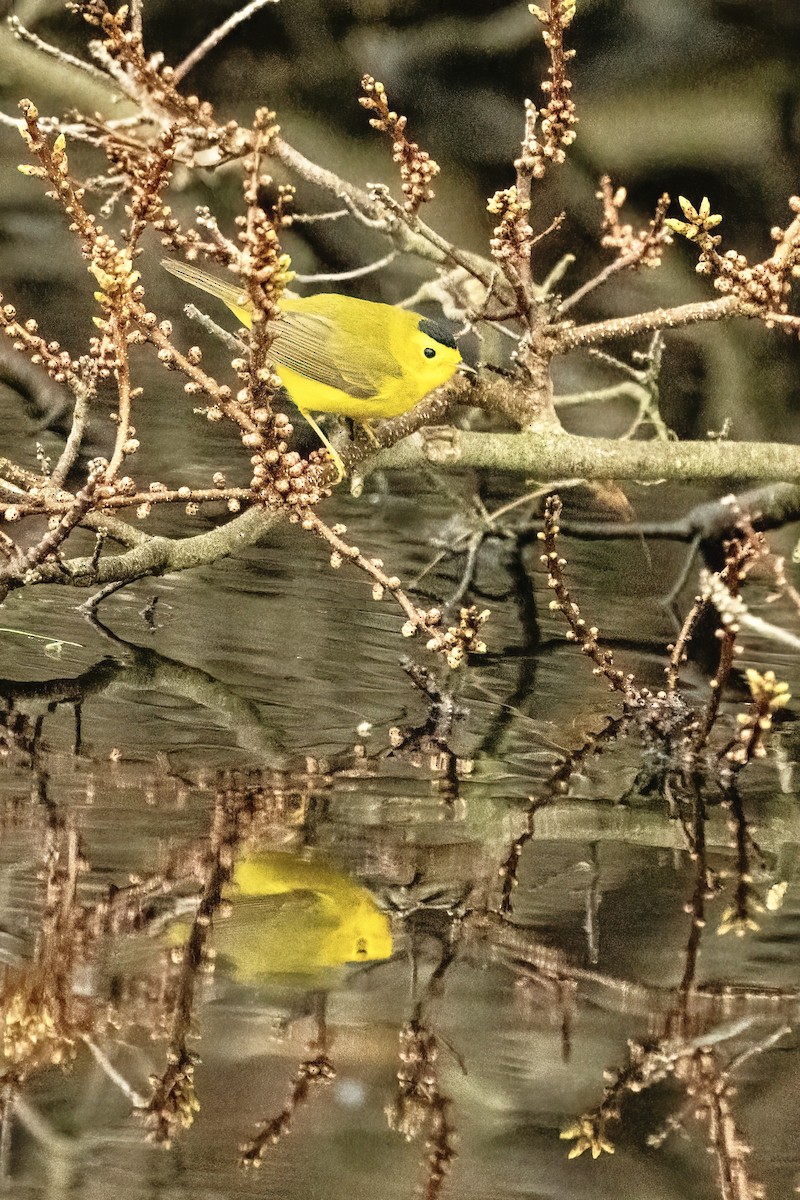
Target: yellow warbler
column 291, row 916
column 337, row 354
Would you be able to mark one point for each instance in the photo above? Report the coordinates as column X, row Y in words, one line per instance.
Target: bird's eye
column 361, row 947
column 429, row 352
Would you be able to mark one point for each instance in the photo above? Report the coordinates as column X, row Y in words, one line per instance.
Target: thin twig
column 313, row 218
column 678, row 651
column 25, row 35
column 136, row 17
column 355, row 273
column 616, row 391
column 90, row 606
column 230, row 339
column 124, row 393
column 216, row 36
column 619, row 264
column 69, row 454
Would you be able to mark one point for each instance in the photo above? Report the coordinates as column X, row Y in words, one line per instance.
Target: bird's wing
column 303, row 908
column 312, row 345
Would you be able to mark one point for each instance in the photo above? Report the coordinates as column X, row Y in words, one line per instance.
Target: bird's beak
column 466, row 369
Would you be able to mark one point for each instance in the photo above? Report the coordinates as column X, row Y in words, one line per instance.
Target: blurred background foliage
column 690, row 96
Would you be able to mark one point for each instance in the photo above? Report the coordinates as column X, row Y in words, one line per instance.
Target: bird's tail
column 228, row 293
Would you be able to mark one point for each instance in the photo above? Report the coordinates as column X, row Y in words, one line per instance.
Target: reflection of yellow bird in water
column 338, row 354
column 294, row 917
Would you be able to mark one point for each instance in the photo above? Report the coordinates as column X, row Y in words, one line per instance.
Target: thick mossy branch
column 556, row 456
column 537, row 455
column 159, row 555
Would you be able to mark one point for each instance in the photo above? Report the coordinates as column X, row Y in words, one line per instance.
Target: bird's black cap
column 437, row 332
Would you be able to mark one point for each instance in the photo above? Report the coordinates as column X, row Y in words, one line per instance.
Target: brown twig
column 578, row 631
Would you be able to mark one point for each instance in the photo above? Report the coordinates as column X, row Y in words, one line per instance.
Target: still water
column 468, row 913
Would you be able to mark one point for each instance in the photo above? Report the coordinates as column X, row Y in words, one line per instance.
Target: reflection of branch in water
column 687, row 1048
column 146, row 669
column 705, row 886
column 493, row 742
column 697, row 1065
column 740, row 553
column 709, row 1084
column 119, row 1080
column 8, row 1096
column 430, row 739
column 738, row 916
column 174, row 1102
column 420, row 1106
column 690, row 1057
column 555, row 788
column 46, row 1016
column 26, row 747
column 593, row 897
column 519, row 949
column 43, row 1014
column 311, row 1071
column 21, row 745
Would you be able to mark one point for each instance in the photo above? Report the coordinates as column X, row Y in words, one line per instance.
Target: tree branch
column 159, row 555
column 555, row 455
column 571, row 337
